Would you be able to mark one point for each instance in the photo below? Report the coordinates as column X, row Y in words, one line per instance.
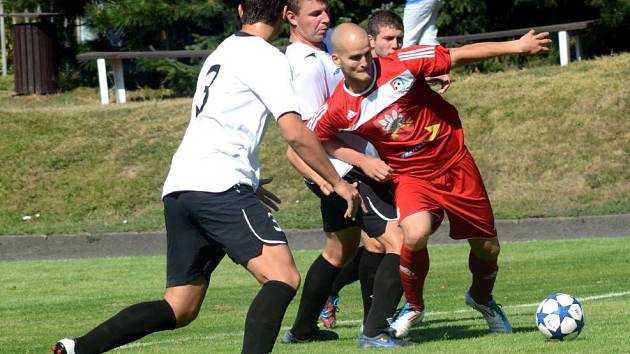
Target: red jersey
column 415, row 131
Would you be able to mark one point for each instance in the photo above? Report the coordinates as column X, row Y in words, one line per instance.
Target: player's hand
column 268, row 199
column 326, row 188
column 350, row 193
column 443, row 80
column 376, row 169
column 534, row 43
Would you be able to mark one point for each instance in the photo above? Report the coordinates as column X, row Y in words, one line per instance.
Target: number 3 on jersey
column 211, row 75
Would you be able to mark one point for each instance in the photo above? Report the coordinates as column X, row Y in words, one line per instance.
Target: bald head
column 352, row 53
column 347, row 36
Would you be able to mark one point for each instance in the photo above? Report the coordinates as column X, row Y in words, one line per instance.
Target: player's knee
column 417, row 238
column 335, row 257
column 416, row 229
column 184, row 316
column 374, row 246
column 339, row 254
column 289, row 276
column 293, row 279
column 494, row 250
column 487, row 250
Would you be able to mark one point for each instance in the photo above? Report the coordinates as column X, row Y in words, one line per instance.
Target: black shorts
column 201, row 227
column 378, row 198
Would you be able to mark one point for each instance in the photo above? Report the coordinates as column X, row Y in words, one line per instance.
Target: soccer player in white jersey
column 315, row 76
column 420, row 136
column 209, row 196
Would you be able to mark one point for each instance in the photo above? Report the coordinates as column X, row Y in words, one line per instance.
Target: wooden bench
column 116, row 58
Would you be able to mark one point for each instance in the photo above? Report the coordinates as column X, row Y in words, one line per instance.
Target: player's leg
column 369, row 264
column 253, row 238
column 380, row 223
column 347, row 275
column 483, row 265
column 387, row 286
column 340, row 248
column 275, row 270
column 470, row 216
column 419, row 22
column 186, row 287
column 420, row 216
column 342, row 241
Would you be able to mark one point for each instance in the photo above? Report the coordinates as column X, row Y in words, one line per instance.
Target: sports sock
column 484, row 273
column 414, row 267
column 265, row 317
column 319, row 279
column 387, row 294
column 367, row 271
column 128, row 325
column 348, row 274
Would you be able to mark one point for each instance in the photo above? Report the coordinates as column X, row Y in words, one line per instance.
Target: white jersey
column 240, row 84
column 315, row 77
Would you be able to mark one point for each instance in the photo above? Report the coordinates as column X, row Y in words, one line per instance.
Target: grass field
column 549, row 141
column 42, row 301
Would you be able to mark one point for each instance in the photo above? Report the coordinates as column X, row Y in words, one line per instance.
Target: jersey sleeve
column 425, row 60
column 309, row 83
column 326, row 122
column 270, row 79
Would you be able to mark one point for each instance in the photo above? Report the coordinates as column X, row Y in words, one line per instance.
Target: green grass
column 43, row 301
column 549, row 141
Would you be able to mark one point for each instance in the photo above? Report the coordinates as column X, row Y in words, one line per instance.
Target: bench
column 116, row 58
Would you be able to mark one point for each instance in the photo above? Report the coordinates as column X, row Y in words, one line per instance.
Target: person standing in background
column 419, row 21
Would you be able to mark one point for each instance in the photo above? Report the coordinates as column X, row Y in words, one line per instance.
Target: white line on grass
column 346, row 322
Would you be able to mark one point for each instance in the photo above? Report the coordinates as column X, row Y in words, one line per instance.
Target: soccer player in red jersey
column 419, row 135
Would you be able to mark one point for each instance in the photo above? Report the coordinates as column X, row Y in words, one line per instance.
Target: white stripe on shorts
column 254, row 232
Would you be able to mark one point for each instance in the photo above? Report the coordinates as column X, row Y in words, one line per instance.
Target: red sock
column 414, row 266
column 484, row 273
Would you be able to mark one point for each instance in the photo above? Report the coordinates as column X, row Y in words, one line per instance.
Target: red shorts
column 460, row 192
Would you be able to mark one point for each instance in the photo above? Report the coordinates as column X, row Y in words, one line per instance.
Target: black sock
column 128, row 325
column 348, row 274
column 265, row 317
column 319, row 279
column 387, row 293
column 367, row 270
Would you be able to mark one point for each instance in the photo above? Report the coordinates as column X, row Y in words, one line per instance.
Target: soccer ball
column 560, row 316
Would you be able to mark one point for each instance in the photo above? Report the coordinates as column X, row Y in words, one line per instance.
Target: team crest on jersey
column 351, row 114
column 393, row 123
column 400, row 84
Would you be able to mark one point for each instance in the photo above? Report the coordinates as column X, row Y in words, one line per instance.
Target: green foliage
column 164, row 24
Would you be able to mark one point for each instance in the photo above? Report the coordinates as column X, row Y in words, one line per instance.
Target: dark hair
column 267, row 11
column 294, row 5
column 383, row 18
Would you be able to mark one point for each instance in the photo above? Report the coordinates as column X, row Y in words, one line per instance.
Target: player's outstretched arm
column 529, row 44
column 307, row 146
column 373, row 167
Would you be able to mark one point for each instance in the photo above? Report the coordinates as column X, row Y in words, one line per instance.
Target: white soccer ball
column 560, row 316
